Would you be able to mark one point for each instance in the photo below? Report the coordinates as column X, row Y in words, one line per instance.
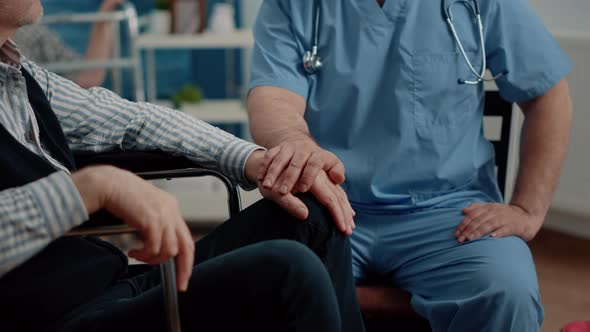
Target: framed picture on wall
column 189, row 16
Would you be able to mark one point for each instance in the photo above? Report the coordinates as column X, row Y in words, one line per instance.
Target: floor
column 563, row 266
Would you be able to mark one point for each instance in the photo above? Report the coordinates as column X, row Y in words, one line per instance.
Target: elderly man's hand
column 153, row 212
column 497, row 220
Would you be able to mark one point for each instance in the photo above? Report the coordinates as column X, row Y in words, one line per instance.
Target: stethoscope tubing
column 473, row 5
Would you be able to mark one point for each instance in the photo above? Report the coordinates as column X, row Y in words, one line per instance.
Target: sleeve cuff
column 59, row 202
column 293, row 86
column 232, row 161
column 546, row 83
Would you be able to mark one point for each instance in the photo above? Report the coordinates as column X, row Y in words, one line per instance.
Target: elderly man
column 52, row 283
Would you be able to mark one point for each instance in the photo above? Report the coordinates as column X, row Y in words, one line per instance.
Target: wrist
column 289, row 135
column 93, row 184
column 254, row 164
column 528, row 209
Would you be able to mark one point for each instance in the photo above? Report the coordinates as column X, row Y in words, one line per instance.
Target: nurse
column 398, row 100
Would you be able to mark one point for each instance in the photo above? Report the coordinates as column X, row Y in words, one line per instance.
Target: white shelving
column 236, row 39
column 73, row 66
column 130, row 61
column 150, row 43
column 227, row 111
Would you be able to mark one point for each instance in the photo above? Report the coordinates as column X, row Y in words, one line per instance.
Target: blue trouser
column 484, row 285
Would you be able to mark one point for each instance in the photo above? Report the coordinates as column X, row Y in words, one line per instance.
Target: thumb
column 293, row 205
column 501, row 232
column 335, row 171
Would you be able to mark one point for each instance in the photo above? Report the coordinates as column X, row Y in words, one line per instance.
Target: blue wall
column 175, row 68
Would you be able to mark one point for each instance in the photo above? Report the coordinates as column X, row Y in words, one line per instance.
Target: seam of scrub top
column 374, row 15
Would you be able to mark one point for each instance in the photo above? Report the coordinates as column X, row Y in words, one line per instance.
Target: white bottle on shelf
column 222, row 20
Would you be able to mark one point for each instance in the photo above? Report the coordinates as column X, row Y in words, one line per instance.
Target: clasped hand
column 302, row 166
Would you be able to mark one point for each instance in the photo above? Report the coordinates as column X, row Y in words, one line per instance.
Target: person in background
column 42, row 46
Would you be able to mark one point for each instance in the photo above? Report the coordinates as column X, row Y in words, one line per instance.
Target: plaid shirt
column 94, row 120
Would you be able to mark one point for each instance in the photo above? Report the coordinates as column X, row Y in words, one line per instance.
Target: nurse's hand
column 497, row 220
column 295, row 165
column 335, row 199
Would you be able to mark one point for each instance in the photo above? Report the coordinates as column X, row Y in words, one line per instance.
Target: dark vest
column 70, row 271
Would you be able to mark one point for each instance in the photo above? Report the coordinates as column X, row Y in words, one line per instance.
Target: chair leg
column 170, row 295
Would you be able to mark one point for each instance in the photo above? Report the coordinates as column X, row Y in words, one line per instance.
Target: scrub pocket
column 441, row 103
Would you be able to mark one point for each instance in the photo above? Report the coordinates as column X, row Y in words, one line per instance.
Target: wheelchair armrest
column 150, row 165
column 135, row 161
column 101, row 223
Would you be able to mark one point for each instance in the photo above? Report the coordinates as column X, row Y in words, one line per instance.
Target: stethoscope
column 312, row 62
column 448, row 15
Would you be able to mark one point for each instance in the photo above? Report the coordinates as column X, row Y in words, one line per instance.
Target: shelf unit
column 218, row 111
column 229, row 111
column 127, row 14
column 236, row 39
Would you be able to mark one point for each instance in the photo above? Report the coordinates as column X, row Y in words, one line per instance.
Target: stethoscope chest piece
column 312, row 62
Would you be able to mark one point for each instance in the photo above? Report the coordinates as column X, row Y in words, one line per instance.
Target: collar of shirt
column 10, row 54
column 19, row 118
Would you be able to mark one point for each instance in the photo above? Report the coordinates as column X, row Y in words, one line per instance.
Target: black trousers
column 248, row 276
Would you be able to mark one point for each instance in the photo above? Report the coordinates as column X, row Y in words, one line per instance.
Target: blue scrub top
column 387, row 101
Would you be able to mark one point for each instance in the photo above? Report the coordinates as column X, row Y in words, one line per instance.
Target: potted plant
column 160, row 19
column 189, row 94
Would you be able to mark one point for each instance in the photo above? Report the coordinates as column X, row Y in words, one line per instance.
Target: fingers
column 298, row 162
column 473, row 232
column 294, row 168
column 346, row 209
column 157, row 255
column 152, row 242
column 329, row 198
column 492, row 219
column 156, row 215
column 277, row 165
column 334, row 168
column 185, row 258
column 471, row 213
column 293, row 205
column 269, row 157
column 176, row 243
column 310, row 173
column 502, row 232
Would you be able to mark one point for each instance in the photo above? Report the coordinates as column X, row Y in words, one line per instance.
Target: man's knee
column 301, row 270
column 319, row 216
column 510, row 294
column 289, row 256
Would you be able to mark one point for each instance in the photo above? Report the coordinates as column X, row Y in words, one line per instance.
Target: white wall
column 569, row 20
column 249, row 11
column 572, row 15
column 573, row 194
